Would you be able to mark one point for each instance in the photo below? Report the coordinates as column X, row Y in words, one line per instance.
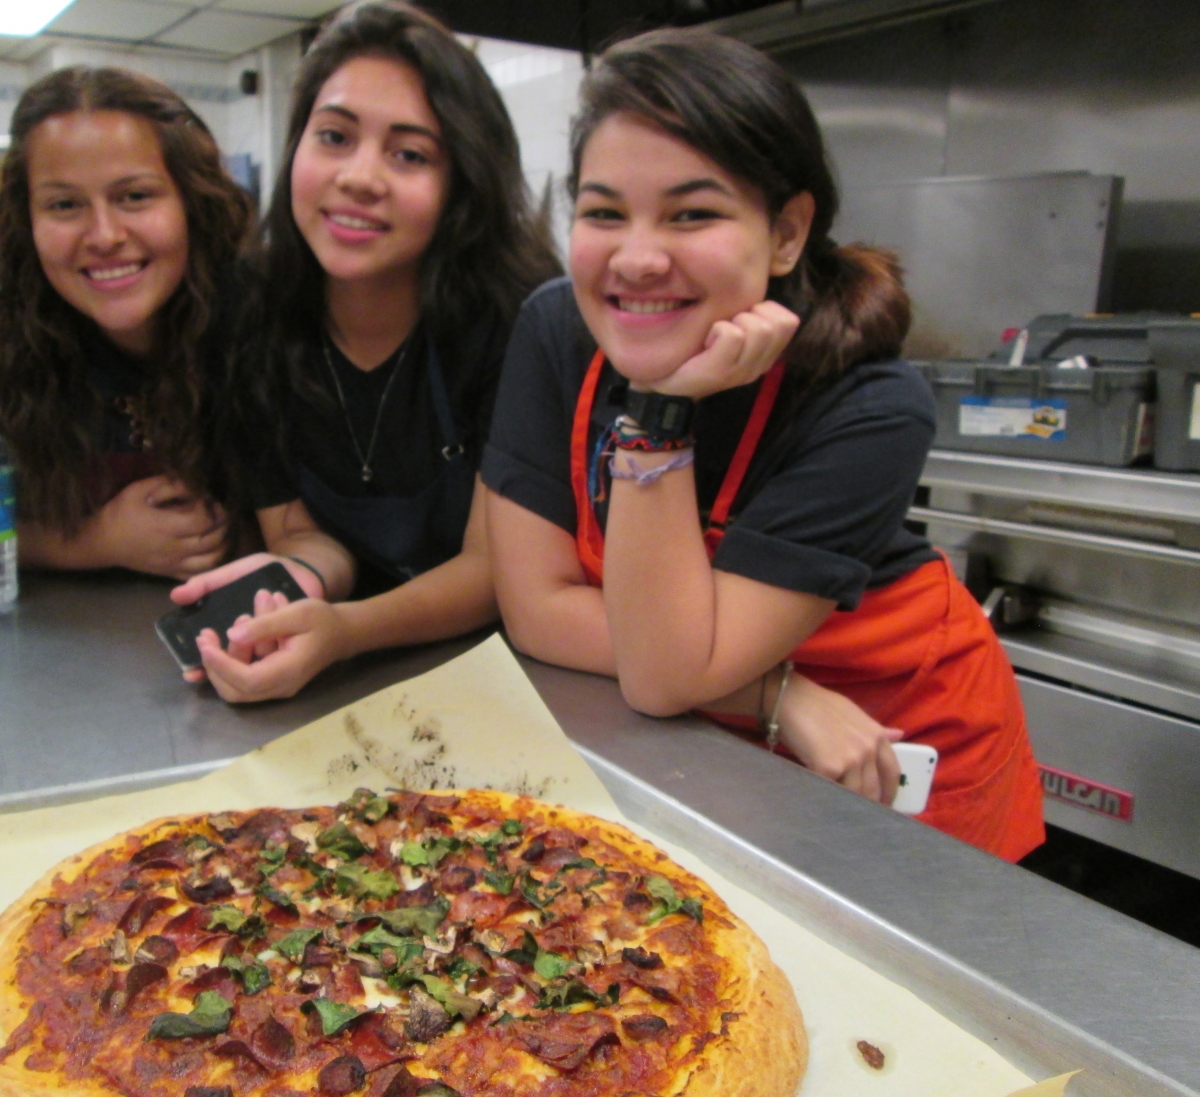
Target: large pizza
column 466, row 944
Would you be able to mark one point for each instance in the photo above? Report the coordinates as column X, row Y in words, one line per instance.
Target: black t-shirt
column 124, row 453
column 407, row 455
column 120, row 383
column 822, row 507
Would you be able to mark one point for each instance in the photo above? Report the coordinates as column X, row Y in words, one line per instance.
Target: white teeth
column 626, row 304
column 113, row 273
column 354, row 222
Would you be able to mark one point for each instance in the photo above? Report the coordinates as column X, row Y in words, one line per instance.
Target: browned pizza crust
column 14, row 921
column 761, row 1050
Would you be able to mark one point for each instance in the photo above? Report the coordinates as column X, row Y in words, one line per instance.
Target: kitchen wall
column 1020, row 86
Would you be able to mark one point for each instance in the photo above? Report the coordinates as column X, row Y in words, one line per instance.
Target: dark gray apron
column 403, row 535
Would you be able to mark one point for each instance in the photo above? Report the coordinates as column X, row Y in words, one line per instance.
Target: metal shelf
column 1140, row 678
column 1170, row 495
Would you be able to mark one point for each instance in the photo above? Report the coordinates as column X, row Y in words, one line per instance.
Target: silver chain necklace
column 364, row 459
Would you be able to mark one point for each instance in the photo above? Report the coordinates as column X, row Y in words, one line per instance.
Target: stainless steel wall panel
column 985, row 254
column 881, row 102
column 1036, row 86
column 1067, row 84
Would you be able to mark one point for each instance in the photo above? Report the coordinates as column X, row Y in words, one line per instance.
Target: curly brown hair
column 50, row 411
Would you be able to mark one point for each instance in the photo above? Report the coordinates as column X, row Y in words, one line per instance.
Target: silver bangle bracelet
column 772, row 725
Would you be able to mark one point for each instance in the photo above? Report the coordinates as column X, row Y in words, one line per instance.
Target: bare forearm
column 659, row 591
column 687, row 634
column 330, row 558
column 40, row 546
column 567, row 627
column 449, row 600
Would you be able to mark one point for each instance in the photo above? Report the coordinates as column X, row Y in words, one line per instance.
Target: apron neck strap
column 589, row 541
column 764, row 402
column 451, row 446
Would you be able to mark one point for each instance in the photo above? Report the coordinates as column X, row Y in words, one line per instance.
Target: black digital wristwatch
column 664, row 418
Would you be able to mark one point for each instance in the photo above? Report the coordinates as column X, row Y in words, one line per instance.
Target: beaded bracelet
column 642, row 477
column 629, row 436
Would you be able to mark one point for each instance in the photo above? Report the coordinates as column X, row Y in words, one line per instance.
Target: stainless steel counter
column 87, row 694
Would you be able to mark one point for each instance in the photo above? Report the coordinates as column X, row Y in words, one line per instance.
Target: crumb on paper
column 872, row 1056
column 427, row 771
column 339, row 767
column 523, row 786
column 428, row 732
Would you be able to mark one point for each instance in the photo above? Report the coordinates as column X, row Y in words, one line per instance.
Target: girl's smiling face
column 108, row 221
column 664, row 244
column 370, row 174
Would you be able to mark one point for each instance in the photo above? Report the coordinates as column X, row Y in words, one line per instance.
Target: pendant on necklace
column 366, row 474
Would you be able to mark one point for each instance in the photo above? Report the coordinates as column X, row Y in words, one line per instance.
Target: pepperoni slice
column 478, row 908
column 344, row 1075
column 189, row 930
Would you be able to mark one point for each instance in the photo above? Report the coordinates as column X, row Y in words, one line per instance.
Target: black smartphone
column 219, row 609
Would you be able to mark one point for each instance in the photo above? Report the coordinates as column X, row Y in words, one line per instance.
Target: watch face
column 662, row 417
column 674, row 418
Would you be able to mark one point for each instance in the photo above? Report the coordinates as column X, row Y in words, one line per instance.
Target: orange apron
column 918, row 655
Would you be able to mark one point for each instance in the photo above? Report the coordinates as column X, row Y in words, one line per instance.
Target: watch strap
column 662, row 417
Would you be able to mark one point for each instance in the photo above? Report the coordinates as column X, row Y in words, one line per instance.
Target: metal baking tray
column 1033, row 1039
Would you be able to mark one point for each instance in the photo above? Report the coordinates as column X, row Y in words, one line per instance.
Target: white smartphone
column 917, row 764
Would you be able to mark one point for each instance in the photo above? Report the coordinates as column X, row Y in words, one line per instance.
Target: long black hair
column 488, row 251
column 50, row 411
column 747, row 114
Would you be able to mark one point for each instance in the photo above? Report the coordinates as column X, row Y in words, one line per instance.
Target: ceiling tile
column 223, row 32
column 129, row 20
column 297, row 9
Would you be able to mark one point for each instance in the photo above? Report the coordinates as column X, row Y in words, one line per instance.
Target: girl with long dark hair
column 118, row 232
column 704, row 447
column 400, row 245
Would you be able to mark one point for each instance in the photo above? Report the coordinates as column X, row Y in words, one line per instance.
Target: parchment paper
column 478, row 722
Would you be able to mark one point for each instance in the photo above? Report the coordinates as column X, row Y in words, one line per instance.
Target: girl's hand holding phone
column 276, row 652
column 736, row 352
column 835, row 738
column 199, row 585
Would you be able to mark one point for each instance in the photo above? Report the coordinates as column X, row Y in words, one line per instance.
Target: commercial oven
column 1092, row 577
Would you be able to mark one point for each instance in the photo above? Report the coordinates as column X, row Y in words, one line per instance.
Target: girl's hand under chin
column 737, row 352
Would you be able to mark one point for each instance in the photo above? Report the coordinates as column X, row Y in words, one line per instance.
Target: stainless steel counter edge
column 78, row 791
column 1134, row 491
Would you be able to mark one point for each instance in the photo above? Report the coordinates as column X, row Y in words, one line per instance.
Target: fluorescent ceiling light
column 27, row 17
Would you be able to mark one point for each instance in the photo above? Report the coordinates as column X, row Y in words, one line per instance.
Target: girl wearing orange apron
column 917, row 654
column 750, row 473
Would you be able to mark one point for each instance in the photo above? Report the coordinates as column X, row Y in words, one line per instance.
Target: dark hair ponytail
column 747, row 114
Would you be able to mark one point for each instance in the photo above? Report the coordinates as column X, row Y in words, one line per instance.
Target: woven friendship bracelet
column 628, row 435
column 642, row 477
